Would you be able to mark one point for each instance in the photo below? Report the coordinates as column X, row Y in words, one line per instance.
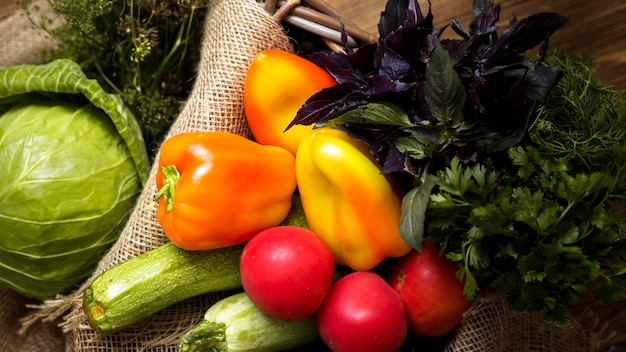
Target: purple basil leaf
column 467, row 153
column 432, row 40
column 400, row 13
column 325, row 103
column 342, row 67
column 459, row 29
column 456, row 49
column 395, row 67
column 444, row 91
column 394, row 162
column 530, row 32
column 330, row 60
column 486, row 21
column 346, row 76
column 363, row 59
column 480, row 6
column 392, row 17
column 408, row 38
column 542, row 52
column 380, row 86
column 344, row 38
column 540, row 81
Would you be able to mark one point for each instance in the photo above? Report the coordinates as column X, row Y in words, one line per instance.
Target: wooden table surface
column 7, row 7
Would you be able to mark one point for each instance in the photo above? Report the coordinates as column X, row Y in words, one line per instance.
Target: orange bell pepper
column 347, row 200
column 218, row 189
column 277, row 84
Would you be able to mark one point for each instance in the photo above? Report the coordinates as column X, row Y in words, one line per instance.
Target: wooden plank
column 7, row 8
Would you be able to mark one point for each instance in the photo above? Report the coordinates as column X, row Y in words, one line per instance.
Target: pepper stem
column 170, row 178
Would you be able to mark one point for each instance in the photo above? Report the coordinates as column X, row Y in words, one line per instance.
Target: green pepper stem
column 167, row 191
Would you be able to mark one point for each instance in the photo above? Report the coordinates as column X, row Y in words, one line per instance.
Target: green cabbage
column 72, row 163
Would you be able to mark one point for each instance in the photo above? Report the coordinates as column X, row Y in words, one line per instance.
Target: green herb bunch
column 144, row 50
column 514, row 164
column 541, row 226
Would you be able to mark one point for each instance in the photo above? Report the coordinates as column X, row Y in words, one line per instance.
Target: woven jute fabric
column 490, row 325
column 21, row 40
column 235, row 30
column 40, row 336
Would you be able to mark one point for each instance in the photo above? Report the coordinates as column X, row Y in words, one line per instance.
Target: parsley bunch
column 512, row 164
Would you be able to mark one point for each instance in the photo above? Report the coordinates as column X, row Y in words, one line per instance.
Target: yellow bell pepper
column 277, row 84
column 347, row 200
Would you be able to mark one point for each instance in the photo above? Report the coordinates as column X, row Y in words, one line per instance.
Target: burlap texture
column 21, row 41
column 489, row 325
column 235, row 30
column 39, row 337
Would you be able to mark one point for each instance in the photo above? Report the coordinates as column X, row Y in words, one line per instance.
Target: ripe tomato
column 362, row 313
column 286, row 271
column 432, row 294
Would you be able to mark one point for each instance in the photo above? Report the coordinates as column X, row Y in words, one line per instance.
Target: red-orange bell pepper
column 218, row 189
column 276, row 86
column 347, row 201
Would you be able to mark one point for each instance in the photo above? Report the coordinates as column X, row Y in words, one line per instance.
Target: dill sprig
column 586, row 116
column 143, row 50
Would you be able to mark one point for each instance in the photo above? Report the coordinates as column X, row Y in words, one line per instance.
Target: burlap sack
column 489, row 325
column 235, row 30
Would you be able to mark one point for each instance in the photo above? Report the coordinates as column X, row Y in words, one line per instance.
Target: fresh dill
column 144, row 50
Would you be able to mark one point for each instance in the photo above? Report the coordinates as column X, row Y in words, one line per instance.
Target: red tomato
column 362, row 313
column 286, row 271
column 432, row 294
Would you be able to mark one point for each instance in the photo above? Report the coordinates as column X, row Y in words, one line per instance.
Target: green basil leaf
column 373, row 113
column 414, row 205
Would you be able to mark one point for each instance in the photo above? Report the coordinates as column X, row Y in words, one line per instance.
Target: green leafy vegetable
column 512, row 164
column 414, row 205
column 73, row 162
column 539, row 226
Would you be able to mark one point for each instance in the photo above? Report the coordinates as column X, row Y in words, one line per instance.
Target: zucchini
column 234, row 324
column 138, row 288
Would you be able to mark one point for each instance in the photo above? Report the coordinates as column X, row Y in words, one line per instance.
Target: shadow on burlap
column 235, row 30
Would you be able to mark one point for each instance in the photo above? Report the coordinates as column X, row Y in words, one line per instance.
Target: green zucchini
column 138, row 288
column 234, row 324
